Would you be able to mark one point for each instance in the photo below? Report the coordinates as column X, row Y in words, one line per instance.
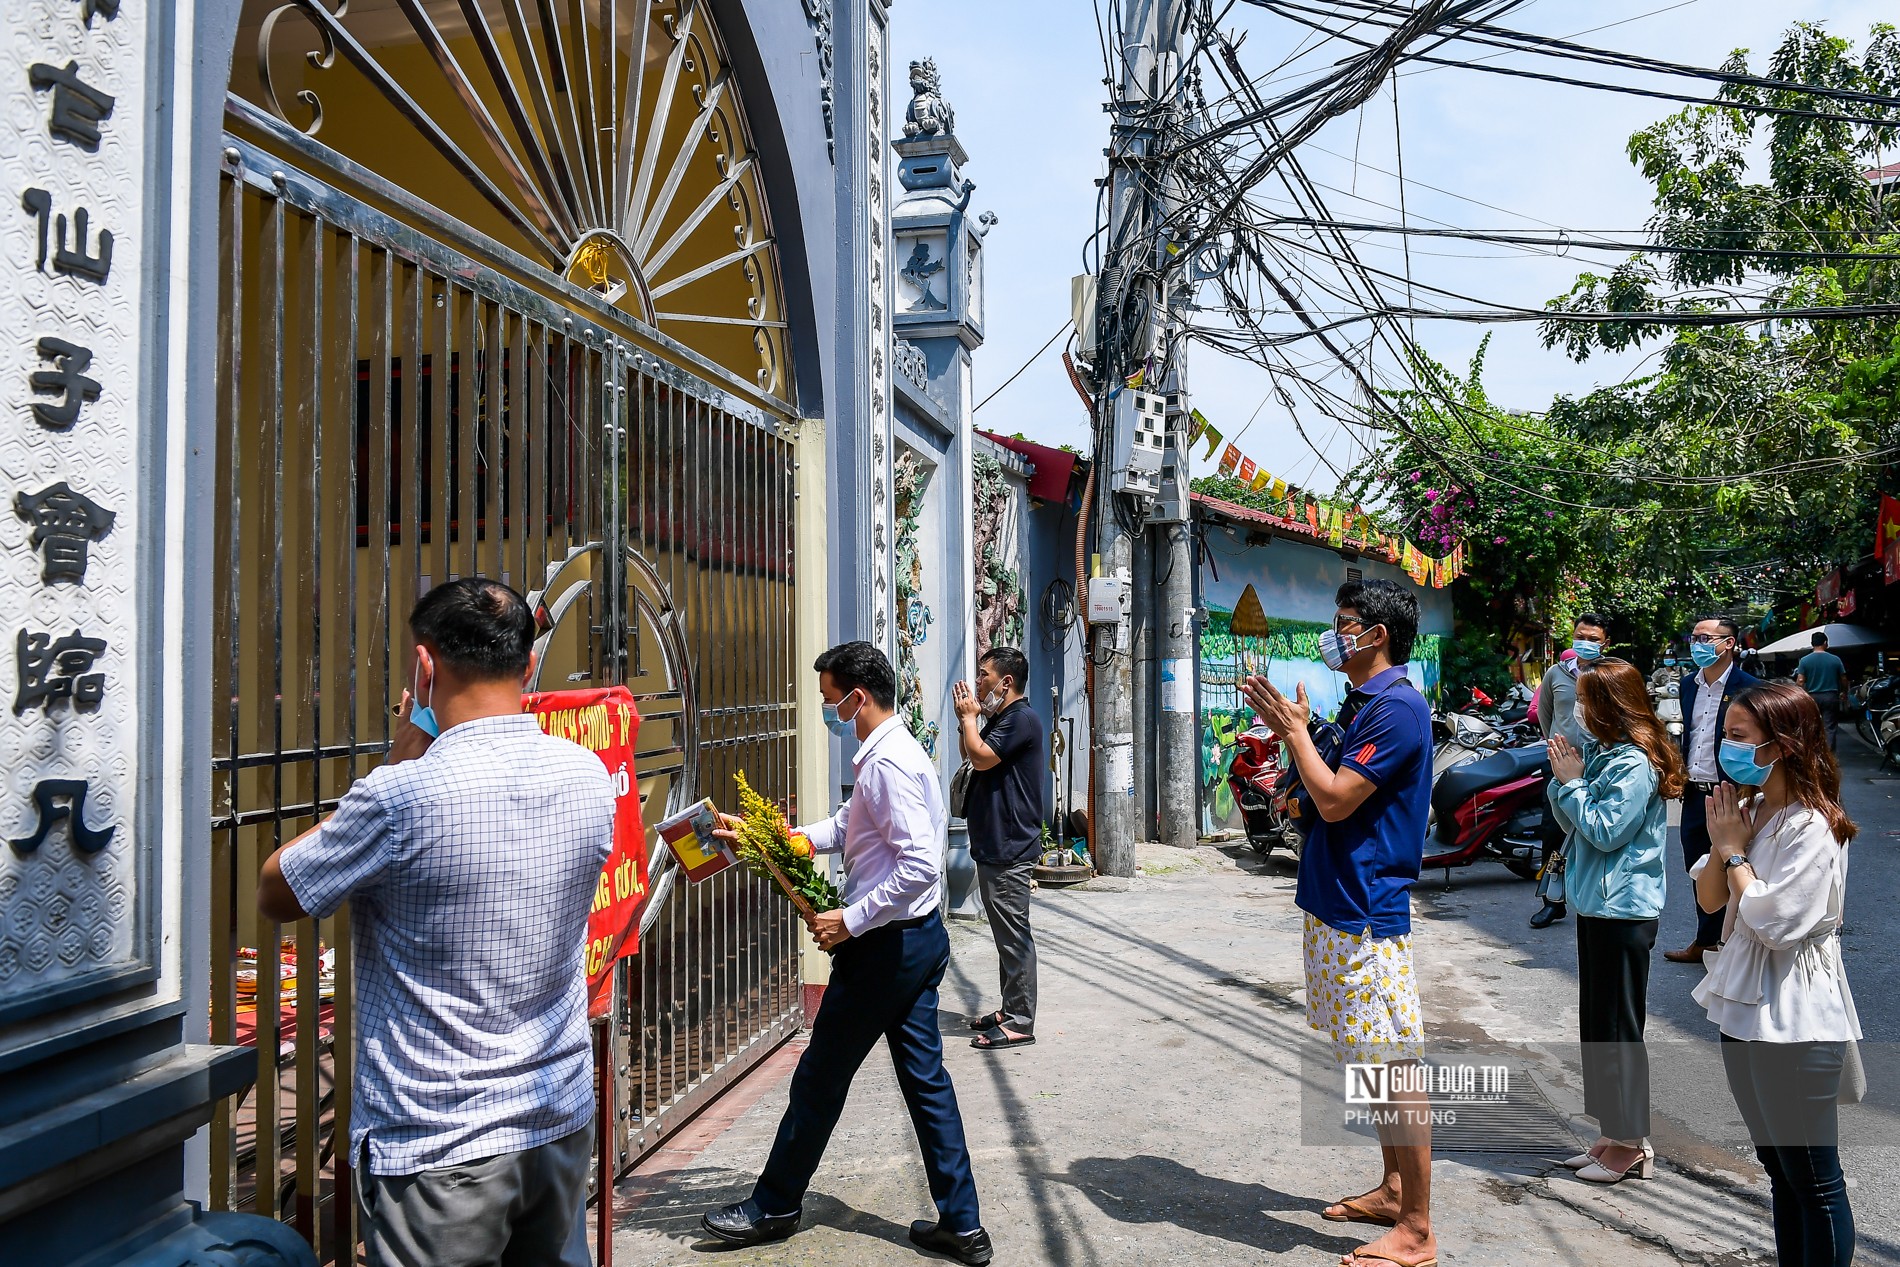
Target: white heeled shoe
column 1644, row 1167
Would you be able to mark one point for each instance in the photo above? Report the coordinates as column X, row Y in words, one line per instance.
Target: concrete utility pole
column 1132, row 305
column 1179, row 798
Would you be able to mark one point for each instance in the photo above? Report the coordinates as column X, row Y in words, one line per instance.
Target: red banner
column 607, row 723
column 1887, row 538
column 1829, row 590
column 1846, row 606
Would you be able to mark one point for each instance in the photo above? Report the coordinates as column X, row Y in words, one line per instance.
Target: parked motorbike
column 1878, row 701
column 1255, row 775
column 1492, row 807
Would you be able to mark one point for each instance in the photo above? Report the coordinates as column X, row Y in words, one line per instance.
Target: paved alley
column 1158, row 1119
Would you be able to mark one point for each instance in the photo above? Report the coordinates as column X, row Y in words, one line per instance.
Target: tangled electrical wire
column 1258, row 232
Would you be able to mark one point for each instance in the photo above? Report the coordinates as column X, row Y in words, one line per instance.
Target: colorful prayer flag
column 1247, row 471
column 1229, row 460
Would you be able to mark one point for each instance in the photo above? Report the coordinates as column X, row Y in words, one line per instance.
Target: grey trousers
column 1005, row 891
column 525, row 1209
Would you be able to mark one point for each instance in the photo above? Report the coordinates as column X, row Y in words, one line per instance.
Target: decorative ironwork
column 607, row 144
column 393, row 412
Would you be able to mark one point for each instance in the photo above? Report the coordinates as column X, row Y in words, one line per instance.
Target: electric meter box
column 1141, row 435
column 1108, row 600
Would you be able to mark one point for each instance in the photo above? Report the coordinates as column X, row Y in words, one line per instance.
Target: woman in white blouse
column 1777, row 990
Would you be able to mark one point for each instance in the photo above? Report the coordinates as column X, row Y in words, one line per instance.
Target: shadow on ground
column 1146, row 1189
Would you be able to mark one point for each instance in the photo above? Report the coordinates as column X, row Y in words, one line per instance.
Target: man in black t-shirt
column 1001, row 737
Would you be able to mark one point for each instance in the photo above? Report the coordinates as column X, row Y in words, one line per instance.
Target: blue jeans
column 1786, row 1092
column 883, row 985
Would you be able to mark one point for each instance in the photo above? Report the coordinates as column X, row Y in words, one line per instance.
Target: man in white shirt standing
column 890, row 952
column 1705, row 696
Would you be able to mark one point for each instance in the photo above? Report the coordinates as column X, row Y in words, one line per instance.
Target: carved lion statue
column 929, row 114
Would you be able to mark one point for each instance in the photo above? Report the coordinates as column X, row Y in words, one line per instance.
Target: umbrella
column 1838, row 636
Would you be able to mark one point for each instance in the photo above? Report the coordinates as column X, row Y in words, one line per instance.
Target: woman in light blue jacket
column 1611, row 799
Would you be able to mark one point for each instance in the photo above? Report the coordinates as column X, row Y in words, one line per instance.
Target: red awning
column 1050, row 482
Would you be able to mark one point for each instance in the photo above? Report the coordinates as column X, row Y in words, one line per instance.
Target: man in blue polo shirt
column 1355, row 887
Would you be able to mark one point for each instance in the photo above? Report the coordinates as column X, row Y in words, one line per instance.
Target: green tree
column 1749, row 459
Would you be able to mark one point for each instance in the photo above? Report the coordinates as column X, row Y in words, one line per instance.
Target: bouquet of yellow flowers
column 770, row 848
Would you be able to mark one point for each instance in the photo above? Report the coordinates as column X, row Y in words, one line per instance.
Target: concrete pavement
column 1157, row 1120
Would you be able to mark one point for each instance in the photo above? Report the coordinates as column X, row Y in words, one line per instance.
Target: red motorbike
column 1494, row 808
column 1256, row 776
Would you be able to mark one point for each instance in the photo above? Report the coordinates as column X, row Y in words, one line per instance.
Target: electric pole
column 1131, row 307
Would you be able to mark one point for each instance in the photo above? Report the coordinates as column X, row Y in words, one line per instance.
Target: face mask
column 1669, row 662
column 1336, row 648
column 421, row 715
column 1704, row 654
column 991, row 702
column 1587, row 648
column 841, row 726
column 1738, row 762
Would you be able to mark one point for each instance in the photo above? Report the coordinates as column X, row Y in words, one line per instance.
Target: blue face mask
column 1738, row 762
column 1704, row 654
column 1586, row 648
column 840, row 726
column 421, row 715
column 1669, row 662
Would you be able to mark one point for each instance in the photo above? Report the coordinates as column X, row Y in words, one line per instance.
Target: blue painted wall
column 1295, row 583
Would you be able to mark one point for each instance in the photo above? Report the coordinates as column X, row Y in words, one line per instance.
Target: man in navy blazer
column 1706, row 693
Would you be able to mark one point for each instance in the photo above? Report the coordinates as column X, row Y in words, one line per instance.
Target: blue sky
column 1025, row 77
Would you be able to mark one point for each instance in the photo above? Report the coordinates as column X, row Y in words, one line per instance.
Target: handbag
column 960, row 788
column 1853, row 1076
column 1550, row 881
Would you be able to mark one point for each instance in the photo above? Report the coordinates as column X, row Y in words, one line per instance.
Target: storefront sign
column 75, row 883
column 606, row 722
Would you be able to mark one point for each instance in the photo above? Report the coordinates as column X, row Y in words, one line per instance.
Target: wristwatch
column 1736, row 860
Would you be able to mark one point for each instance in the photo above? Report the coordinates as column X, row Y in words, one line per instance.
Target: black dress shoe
column 742, row 1224
column 973, row 1248
column 1550, row 914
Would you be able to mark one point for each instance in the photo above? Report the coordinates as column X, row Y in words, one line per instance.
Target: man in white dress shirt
column 1705, row 697
column 890, row 951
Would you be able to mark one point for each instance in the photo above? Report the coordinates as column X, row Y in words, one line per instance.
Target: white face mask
column 992, row 702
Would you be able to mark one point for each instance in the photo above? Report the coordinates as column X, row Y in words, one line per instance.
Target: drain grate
column 1523, row 1121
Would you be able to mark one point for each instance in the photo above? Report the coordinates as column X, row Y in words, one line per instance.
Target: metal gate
column 398, row 408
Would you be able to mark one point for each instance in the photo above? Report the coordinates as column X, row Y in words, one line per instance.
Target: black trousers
column 1613, row 1001
column 1786, row 1092
column 883, row 985
column 1695, row 844
column 1829, row 702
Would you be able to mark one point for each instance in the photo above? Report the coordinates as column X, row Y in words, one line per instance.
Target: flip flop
column 994, row 1039
column 982, row 1023
column 1359, row 1256
column 1359, row 1214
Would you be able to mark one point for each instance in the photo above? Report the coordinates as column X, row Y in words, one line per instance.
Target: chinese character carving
column 64, row 523
column 107, row 9
column 75, row 262
column 54, row 672
column 45, row 792
column 67, row 380
column 77, row 110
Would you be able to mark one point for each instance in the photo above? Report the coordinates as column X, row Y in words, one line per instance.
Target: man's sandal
column 1359, row 1256
column 994, row 1039
column 1355, row 1213
column 981, row 1023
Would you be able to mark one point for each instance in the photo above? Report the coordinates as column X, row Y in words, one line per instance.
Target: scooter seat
column 1507, row 765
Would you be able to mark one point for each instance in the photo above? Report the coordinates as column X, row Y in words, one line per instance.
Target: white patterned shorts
column 1361, row 992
